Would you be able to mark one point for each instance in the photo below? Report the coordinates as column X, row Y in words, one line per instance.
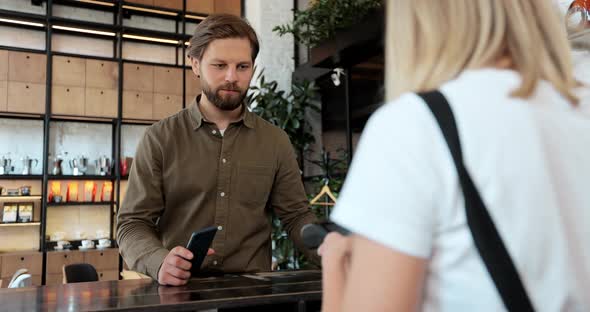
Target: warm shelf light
column 98, row 2
column 149, row 10
column 21, row 224
column 89, row 191
column 55, row 190
column 5, row 20
column 107, row 191
column 194, row 17
column 86, row 31
column 150, row 39
column 56, row 187
column 72, row 193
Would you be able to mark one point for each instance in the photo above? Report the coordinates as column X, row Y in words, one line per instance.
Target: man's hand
column 175, row 269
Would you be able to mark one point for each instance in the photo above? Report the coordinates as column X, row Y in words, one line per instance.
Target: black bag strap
column 485, row 235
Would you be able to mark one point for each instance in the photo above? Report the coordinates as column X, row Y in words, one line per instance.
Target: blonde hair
column 431, row 42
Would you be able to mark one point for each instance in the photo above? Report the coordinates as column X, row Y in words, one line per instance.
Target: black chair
column 79, row 273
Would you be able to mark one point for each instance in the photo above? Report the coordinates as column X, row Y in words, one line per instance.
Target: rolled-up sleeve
column 139, row 242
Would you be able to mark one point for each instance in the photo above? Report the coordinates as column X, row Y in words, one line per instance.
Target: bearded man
column 212, row 164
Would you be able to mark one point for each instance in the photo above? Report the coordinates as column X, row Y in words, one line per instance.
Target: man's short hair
column 221, row 26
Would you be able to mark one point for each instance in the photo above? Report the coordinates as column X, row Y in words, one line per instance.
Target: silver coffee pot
column 29, row 164
column 5, row 165
column 57, row 166
column 103, row 166
column 79, row 165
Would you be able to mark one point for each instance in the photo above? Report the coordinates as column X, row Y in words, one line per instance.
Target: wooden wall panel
column 166, row 105
column 27, row 67
column 138, row 105
column 3, row 95
column 25, row 97
column 167, row 80
column 102, row 74
column 67, row 100
column 101, row 103
column 3, row 65
column 200, row 6
column 69, row 71
column 228, row 6
column 138, row 77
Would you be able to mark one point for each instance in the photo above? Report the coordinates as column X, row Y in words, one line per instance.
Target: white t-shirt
column 530, row 160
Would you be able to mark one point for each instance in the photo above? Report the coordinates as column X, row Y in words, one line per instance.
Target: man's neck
column 220, row 118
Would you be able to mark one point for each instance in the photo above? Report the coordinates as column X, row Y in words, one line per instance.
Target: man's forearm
column 140, row 247
column 293, row 228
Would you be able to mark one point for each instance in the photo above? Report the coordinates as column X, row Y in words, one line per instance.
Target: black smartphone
column 199, row 244
column 313, row 234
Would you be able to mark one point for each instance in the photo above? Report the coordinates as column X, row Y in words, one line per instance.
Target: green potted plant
column 324, row 17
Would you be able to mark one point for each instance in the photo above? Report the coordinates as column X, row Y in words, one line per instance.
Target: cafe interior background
column 70, row 123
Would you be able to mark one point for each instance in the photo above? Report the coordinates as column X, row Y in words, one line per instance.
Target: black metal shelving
column 102, row 5
column 47, row 23
column 23, row 116
column 21, row 177
column 349, row 48
column 81, row 177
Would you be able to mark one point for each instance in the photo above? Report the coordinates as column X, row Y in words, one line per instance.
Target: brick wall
column 276, row 53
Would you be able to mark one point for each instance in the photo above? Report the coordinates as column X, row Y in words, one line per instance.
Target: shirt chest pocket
column 254, row 183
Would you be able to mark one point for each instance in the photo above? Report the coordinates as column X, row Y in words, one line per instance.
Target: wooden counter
column 300, row 289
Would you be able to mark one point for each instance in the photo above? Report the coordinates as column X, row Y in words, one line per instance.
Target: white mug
column 104, row 242
column 86, row 243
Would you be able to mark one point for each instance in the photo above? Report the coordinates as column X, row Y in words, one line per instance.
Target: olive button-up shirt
column 187, row 175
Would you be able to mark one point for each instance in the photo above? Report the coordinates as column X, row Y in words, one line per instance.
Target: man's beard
column 226, row 103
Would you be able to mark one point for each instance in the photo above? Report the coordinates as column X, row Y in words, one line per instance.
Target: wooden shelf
column 150, row 10
column 15, row 224
column 80, row 177
column 81, row 204
column 84, row 119
column 103, row 5
column 18, row 115
column 20, row 197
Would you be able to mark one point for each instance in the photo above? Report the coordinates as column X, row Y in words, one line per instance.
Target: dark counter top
column 146, row 295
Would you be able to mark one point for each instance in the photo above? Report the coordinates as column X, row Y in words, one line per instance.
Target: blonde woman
column 504, row 66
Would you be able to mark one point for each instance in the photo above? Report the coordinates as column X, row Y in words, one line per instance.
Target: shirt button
column 214, row 131
column 222, row 194
column 224, row 160
column 214, row 262
column 219, row 228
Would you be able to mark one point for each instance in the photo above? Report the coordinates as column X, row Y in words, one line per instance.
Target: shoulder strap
column 485, row 235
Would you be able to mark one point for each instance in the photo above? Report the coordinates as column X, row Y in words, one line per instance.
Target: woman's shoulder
column 399, row 110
